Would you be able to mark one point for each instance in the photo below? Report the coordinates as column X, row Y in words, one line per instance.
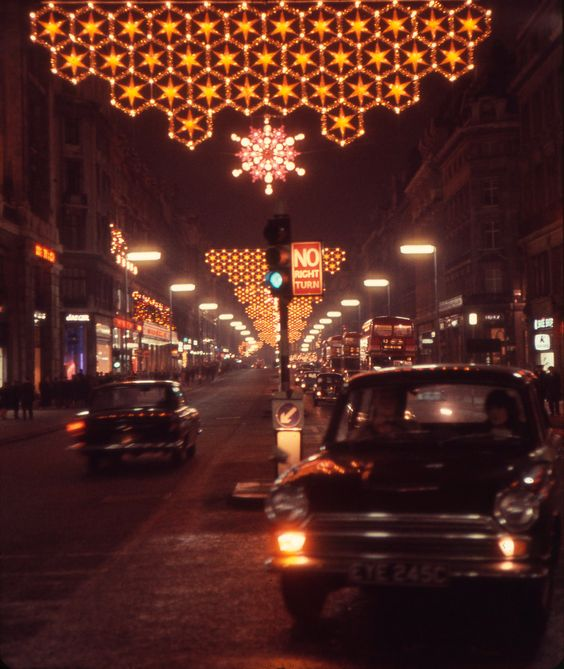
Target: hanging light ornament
column 191, row 60
column 268, row 154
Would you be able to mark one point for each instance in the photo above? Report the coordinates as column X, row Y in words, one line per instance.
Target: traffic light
column 278, row 256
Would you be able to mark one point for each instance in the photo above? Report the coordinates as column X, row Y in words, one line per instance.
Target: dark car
column 327, row 387
column 429, row 476
column 133, row 418
column 307, row 381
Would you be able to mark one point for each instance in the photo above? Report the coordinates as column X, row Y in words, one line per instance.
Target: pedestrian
column 553, row 390
column 27, row 399
column 3, row 402
column 13, row 401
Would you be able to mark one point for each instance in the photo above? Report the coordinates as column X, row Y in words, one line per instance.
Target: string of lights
column 339, row 59
column 246, row 269
column 147, row 309
column 118, row 249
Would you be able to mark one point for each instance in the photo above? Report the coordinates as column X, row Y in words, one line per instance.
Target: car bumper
column 133, row 448
column 340, row 568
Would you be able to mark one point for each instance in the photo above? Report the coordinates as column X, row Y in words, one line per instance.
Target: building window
column 73, row 176
column 72, row 130
column 493, row 279
column 490, row 192
column 492, row 235
column 73, row 229
column 73, row 286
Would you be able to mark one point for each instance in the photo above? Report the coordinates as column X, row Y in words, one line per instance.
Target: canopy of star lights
column 147, row 309
column 246, row 270
column 193, row 60
column 268, row 154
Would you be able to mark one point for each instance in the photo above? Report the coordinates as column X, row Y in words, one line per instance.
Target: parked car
column 429, row 476
column 327, row 387
column 134, row 418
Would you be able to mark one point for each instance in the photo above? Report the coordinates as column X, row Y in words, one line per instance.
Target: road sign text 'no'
column 307, row 268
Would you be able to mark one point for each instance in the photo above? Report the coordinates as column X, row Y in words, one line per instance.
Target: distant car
column 428, row 477
column 327, row 387
column 307, row 381
column 134, row 418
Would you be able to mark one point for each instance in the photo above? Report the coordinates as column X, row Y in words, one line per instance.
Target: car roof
column 138, row 382
column 467, row 373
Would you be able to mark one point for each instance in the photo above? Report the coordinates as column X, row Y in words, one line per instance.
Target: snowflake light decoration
column 268, row 154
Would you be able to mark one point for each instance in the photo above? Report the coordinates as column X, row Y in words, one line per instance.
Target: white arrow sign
column 286, row 418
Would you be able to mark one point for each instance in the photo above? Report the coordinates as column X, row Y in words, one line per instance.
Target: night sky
column 343, row 187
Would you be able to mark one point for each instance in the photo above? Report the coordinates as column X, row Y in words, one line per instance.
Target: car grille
column 447, row 536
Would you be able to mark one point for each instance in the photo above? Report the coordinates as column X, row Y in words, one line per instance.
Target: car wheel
column 304, row 597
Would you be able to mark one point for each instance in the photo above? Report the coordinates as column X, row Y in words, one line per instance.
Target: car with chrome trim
column 327, row 387
column 429, row 476
column 133, row 418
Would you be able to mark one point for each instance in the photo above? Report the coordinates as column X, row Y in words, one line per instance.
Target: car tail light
column 76, row 427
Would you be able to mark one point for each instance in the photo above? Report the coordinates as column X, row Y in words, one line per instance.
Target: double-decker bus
column 351, row 352
column 332, row 353
column 388, row 341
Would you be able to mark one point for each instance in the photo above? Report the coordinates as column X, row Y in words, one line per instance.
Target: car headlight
column 516, row 509
column 287, row 503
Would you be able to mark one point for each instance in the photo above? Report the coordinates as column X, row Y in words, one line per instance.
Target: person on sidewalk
column 553, row 391
column 13, row 398
column 3, row 402
column 27, row 399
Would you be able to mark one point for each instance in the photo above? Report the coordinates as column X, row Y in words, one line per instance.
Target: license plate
column 398, row 573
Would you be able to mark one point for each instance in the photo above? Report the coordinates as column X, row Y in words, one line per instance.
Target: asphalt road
column 150, row 566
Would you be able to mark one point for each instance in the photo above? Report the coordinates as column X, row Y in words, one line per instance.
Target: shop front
column 103, row 331
column 124, row 342
column 546, row 342
column 155, row 354
column 76, row 339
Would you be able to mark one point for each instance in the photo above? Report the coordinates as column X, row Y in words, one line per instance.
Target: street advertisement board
column 307, row 268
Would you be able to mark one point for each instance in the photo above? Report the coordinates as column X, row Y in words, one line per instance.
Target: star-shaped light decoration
column 268, row 154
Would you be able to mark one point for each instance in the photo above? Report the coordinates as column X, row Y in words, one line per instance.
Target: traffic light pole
column 283, row 303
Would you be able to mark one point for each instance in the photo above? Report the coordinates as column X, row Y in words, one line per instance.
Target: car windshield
column 130, row 397
column 444, row 413
column 329, row 379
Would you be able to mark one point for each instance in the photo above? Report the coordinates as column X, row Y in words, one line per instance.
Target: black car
column 307, row 381
column 133, row 418
column 429, row 476
column 327, row 387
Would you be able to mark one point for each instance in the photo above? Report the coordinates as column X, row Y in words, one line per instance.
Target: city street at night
column 150, row 565
column 281, row 334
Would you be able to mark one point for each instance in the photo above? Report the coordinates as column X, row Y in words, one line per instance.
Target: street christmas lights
column 268, row 154
column 190, row 61
column 246, row 270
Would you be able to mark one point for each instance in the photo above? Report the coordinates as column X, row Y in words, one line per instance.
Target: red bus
column 351, row 351
column 388, row 341
column 332, row 353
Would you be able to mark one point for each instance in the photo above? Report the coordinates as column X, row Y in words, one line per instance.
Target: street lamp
column 353, row 302
column 379, row 283
column 428, row 249
column 133, row 256
column 177, row 288
column 205, row 307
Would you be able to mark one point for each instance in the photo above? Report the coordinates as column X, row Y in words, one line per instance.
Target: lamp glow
column 417, row 249
column 334, row 314
column 140, row 256
column 183, row 287
column 208, row 306
column 350, row 303
column 376, row 283
column 225, row 317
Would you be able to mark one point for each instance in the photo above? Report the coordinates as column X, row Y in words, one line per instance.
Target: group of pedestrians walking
column 16, row 396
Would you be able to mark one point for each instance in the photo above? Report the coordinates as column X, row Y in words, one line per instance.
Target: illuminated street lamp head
column 183, row 287
column 376, row 283
column 334, row 314
column 325, row 321
column 234, row 324
column 314, row 332
column 240, row 328
column 350, row 303
column 140, row 256
column 417, row 249
column 245, row 333
column 208, row 306
column 318, row 326
column 225, row 317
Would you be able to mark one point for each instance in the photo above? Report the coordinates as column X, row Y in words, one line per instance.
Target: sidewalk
column 44, row 421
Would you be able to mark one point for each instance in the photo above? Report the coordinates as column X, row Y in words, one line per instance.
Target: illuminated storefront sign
column 77, row 318
column 543, row 323
column 542, row 342
column 123, row 323
column 156, row 332
column 493, row 318
column 45, row 253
